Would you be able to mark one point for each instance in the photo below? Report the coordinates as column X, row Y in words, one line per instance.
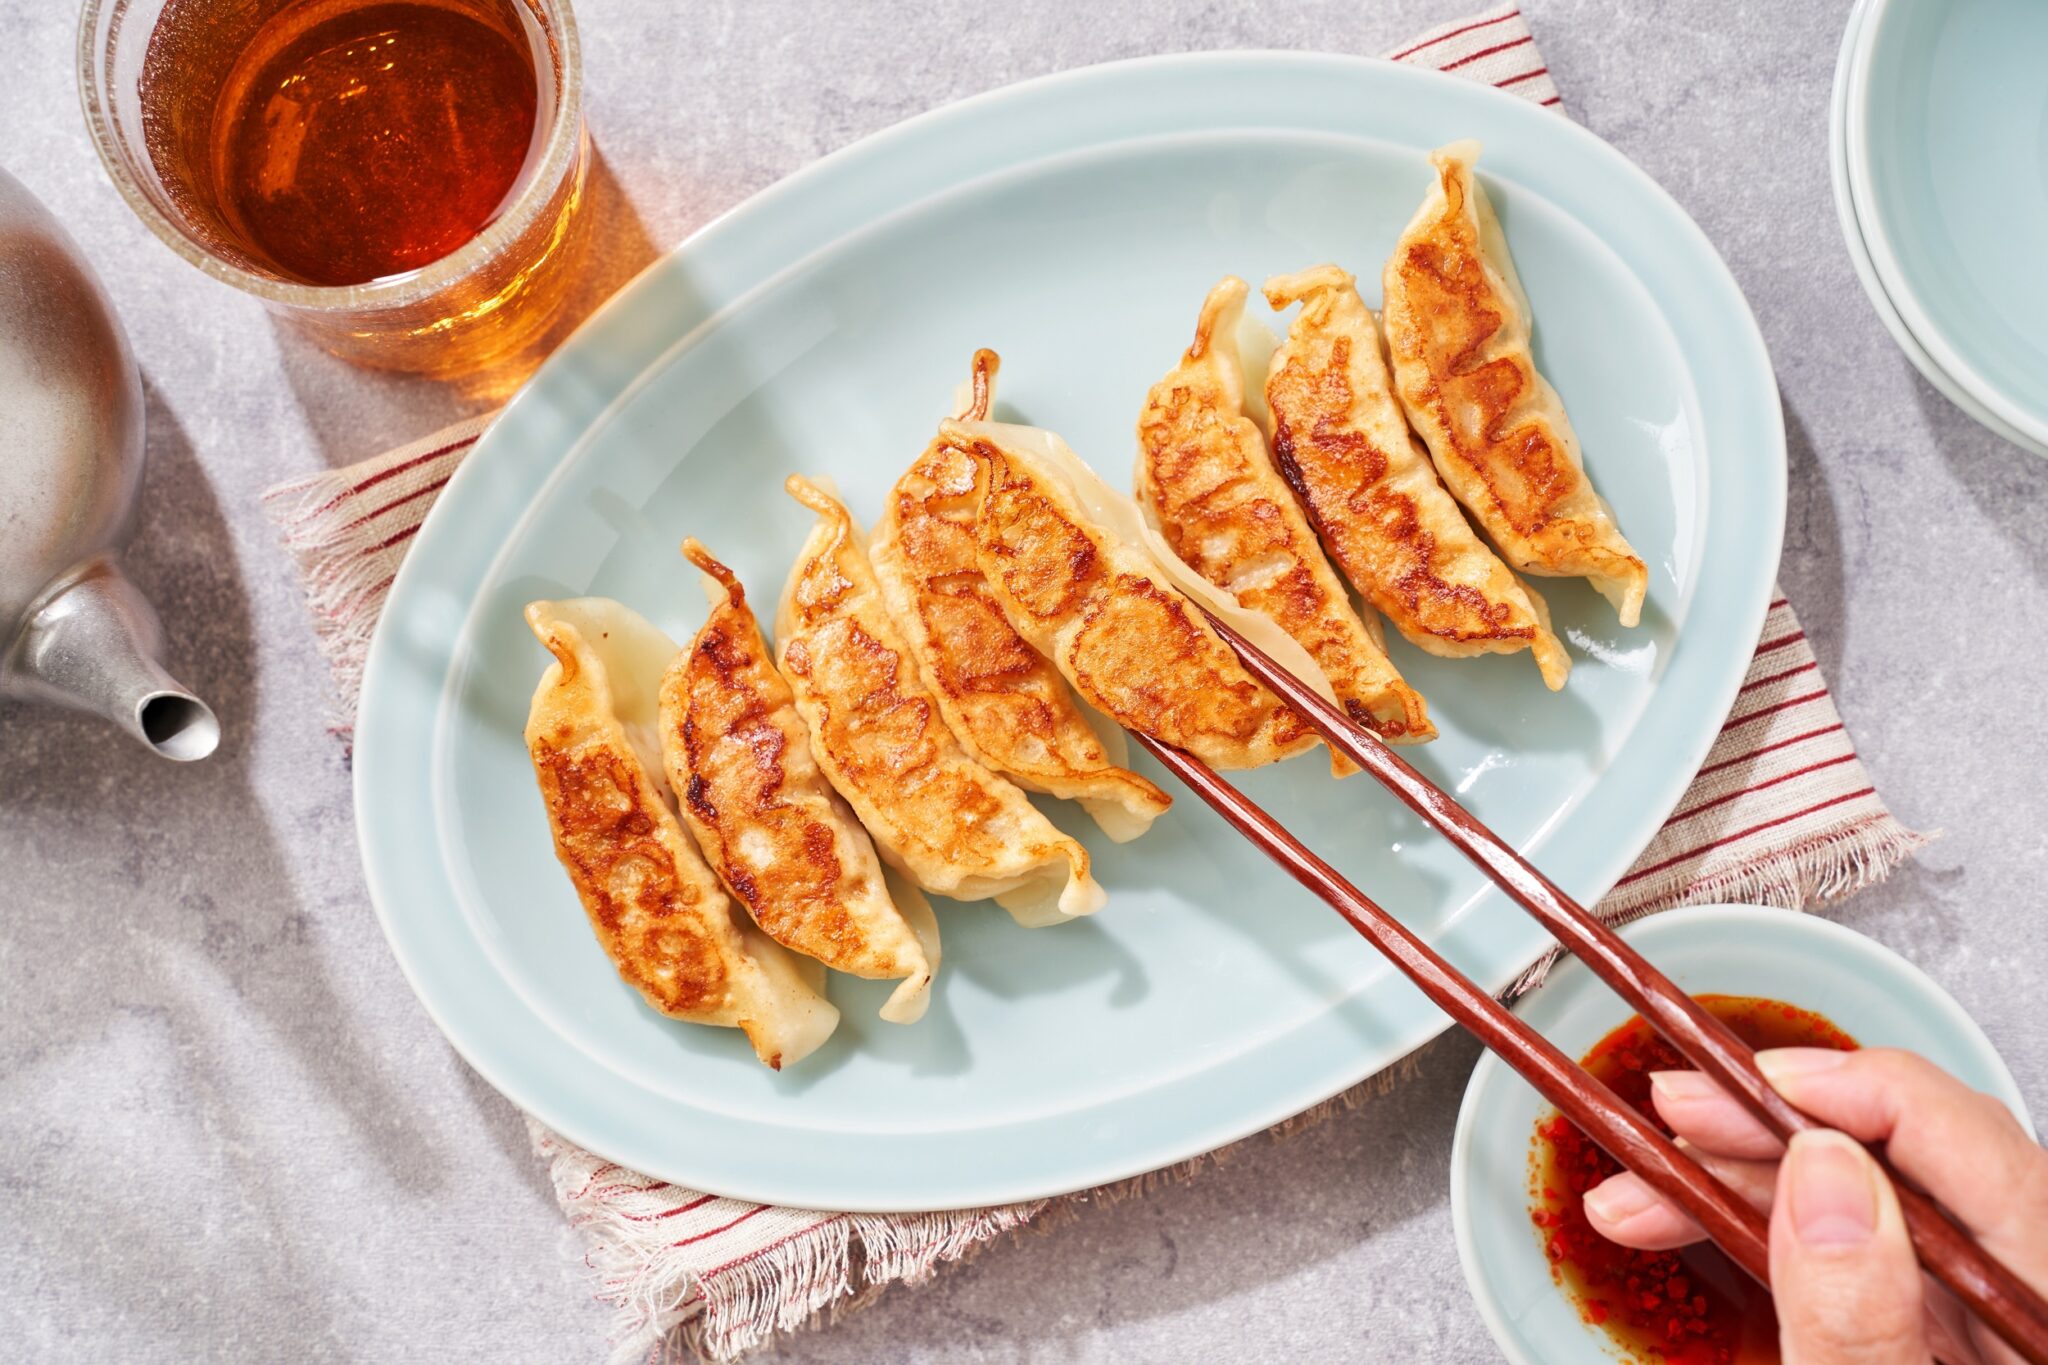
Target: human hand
column 1842, row 1269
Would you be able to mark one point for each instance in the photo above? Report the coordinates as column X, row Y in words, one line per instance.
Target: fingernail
column 1827, row 1184
column 1785, row 1064
column 1617, row 1199
column 1682, row 1085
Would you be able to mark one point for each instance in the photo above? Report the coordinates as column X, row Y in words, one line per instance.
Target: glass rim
column 392, row 291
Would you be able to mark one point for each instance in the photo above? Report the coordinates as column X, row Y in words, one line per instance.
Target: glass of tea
column 401, row 178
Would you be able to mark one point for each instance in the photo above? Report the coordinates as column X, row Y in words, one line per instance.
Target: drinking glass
column 151, row 73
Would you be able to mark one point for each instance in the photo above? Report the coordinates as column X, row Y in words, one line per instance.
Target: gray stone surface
column 230, row 1132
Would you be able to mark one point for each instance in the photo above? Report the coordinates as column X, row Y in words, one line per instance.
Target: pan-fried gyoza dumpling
column 1080, row 576
column 957, row 828
column 769, row 823
column 1457, row 326
column 1006, row 704
column 655, row 907
column 1340, row 440
column 1205, row 479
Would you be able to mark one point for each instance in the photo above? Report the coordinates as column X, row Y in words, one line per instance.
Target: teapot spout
column 92, row 646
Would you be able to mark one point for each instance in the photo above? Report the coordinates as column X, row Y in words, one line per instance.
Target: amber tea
column 373, row 141
column 400, row 176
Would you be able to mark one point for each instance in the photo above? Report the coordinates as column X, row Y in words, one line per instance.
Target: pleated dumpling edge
column 958, row 828
column 781, row 839
column 1119, row 514
column 653, row 904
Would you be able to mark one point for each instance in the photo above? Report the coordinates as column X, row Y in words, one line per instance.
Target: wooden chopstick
column 1986, row 1286
column 1625, row 1134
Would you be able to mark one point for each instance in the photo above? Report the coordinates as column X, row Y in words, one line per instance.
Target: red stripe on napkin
column 1430, row 42
column 1488, row 52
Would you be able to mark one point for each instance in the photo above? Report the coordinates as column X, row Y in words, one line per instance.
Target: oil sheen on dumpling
column 769, row 823
column 656, row 909
column 1070, row 565
column 957, row 828
column 1006, row 704
column 1205, row 479
column 1457, row 326
column 1340, row 441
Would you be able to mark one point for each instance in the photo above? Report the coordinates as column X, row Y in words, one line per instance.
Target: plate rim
column 1754, row 368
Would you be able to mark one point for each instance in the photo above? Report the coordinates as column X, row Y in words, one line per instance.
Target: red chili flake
column 1687, row 1307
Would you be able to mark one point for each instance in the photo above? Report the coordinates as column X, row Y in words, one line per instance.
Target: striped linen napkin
column 1781, row 813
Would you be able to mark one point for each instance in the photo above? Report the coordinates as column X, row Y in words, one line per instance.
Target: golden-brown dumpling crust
column 1132, row 646
column 1457, row 327
column 650, row 914
column 655, row 907
column 1008, row 706
column 1204, row 472
column 959, row 829
column 774, row 830
column 1340, row 441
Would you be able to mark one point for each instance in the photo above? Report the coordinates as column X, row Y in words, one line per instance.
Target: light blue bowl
column 1875, row 995
column 1859, row 251
column 1947, row 125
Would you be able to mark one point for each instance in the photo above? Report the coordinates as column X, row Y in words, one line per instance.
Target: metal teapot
column 73, row 629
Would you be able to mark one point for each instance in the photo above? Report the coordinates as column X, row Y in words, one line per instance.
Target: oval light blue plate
column 1876, row 996
column 1073, row 224
column 1947, row 123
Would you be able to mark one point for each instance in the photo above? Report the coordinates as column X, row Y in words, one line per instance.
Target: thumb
column 1847, row 1286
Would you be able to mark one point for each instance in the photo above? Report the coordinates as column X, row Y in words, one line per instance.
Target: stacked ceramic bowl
column 1938, row 143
